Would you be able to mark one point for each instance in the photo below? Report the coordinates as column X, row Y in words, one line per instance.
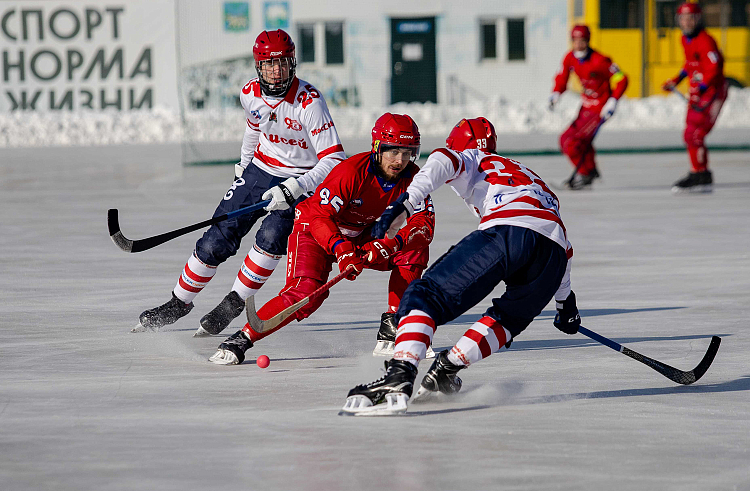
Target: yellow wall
column 665, row 56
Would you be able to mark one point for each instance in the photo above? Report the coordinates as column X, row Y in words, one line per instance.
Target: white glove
column 284, row 195
column 609, row 108
column 553, row 98
column 400, row 220
column 238, row 170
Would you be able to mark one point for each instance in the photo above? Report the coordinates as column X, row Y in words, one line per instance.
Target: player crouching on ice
column 334, row 225
column 521, row 240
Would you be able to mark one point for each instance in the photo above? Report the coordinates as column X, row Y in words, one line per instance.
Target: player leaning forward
column 521, row 240
column 334, row 225
column 290, row 145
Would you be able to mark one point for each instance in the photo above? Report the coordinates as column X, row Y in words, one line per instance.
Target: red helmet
column 472, row 133
column 582, row 31
column 274, row 52
column 689, row 8
column 396, row 130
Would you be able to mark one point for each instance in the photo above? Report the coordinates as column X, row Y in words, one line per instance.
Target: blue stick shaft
column 600, row 338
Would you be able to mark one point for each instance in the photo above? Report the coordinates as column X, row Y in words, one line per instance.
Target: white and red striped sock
column 414, row 335
column 195, row 276
column 483, row 338
column 254, row 272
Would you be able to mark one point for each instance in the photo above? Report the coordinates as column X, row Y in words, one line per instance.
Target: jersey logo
column 255, row 113
column 356, row 203
column 292, row 124
column 286, row 141
column 326, row 126
column 712, row 56
column 272, row 118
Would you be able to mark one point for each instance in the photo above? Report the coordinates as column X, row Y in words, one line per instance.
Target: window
column 578, row 8
column 488, row 40
column 621, row 14
column 334, row 43
column 737, row 13
column 516, row 40
column 307, row 43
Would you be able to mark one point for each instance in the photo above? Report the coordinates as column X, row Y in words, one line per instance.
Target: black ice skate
column 386, row 396
column 386, row 339
column 580, row 181
column 158, row 317
column 232, row 350
column 219, row 318
column 441, row 377
column 695, row 182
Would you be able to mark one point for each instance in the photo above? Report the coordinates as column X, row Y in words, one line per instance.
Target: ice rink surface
column 85, row 404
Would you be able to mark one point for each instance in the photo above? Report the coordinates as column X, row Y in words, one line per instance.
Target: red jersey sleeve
column 711, row 60
column 616, row 77
column 561, row 78
column 330, row 198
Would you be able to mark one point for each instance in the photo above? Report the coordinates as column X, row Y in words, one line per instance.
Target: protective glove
column 567, row 319
column 284, row 195
column 379, row 251
column 696, row 98
column 608, row 109
column 553, row 98
column 393, row 218
column 348, row 258
column 670, row 84
column 238, row 170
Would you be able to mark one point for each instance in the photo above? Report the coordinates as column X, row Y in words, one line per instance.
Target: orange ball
column 263, row 361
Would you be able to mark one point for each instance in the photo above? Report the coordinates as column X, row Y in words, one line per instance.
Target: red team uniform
column 596, row 73
column 335, row 222
column 704, row 67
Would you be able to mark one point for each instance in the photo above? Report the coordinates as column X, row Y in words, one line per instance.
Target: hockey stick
column 139, row 245
column 260, row 326
column 682, row 96
column 679, row 376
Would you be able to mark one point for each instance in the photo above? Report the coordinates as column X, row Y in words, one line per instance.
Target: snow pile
column 161, row 125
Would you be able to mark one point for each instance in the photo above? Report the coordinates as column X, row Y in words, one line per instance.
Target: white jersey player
column 521, row 241
column 290, row 145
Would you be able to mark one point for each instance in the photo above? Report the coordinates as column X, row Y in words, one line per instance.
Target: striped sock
column 483, row 338
column 195, row 276
column 414, row 335
column 254, row 272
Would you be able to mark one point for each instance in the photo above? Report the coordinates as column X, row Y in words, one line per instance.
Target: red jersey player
column 334, row 226
column 704, row 64
column 596, row 72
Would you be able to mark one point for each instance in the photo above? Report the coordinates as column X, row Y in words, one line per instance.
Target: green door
column 413, row 64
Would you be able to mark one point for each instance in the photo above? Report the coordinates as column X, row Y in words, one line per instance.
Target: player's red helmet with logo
column 689, row 8
column 275, row 61
column 472, row 133
column 581, row 31
column 396, row 130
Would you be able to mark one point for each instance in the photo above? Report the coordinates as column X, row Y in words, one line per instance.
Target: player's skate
column 158, row 317
column 441, row 377
column 695, row 182
column 232, row 350
column 581, row 181
column 386, row 396
column 386, row 340
column 219, row 318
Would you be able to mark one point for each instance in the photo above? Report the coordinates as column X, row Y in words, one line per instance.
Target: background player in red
column 704, row 64
column 334, row 226
column 596, row 72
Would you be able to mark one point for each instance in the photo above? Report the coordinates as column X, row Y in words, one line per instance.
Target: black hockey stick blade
column 139, row 245
column 674, row 374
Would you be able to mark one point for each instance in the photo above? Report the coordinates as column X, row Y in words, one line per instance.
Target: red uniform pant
column 577, row 141
column 308, row 267
column 700, row 120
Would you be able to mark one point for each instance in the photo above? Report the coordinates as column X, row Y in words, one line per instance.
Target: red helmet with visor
column 396, row 131
column 275, row 62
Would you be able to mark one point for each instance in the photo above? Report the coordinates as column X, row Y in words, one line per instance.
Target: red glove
column 381, row 250
column 348, row 258
column 670, row 84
